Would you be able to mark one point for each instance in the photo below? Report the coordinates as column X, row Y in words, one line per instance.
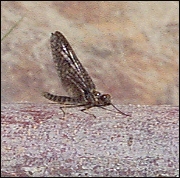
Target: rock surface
column 37, row 141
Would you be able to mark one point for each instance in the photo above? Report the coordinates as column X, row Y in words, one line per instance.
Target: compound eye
column 96, row 93
column 106, row 98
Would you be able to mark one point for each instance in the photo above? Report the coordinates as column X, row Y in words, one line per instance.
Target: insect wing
column 75, row 78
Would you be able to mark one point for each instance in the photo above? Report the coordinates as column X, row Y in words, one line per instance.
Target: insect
column 75, row 79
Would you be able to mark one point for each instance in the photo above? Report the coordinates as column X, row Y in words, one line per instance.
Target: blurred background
column 130, row 49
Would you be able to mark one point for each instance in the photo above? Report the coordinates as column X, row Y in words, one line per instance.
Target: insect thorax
column 98, row 99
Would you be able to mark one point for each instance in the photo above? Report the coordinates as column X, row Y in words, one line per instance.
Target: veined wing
column 75, row 78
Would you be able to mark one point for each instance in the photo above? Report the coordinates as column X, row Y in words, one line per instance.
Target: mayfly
column 75, row 79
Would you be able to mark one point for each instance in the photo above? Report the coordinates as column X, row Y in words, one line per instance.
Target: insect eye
column 96, row 93
column 106, row 98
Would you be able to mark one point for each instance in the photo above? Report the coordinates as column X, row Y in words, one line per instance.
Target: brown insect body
column 74, row 78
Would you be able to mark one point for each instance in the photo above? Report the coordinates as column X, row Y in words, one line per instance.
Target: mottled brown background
column 130, row 49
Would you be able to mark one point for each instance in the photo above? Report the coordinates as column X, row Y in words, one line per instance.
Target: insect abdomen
column 60, row 99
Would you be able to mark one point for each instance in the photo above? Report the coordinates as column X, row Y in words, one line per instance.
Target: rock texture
column 37, row 142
